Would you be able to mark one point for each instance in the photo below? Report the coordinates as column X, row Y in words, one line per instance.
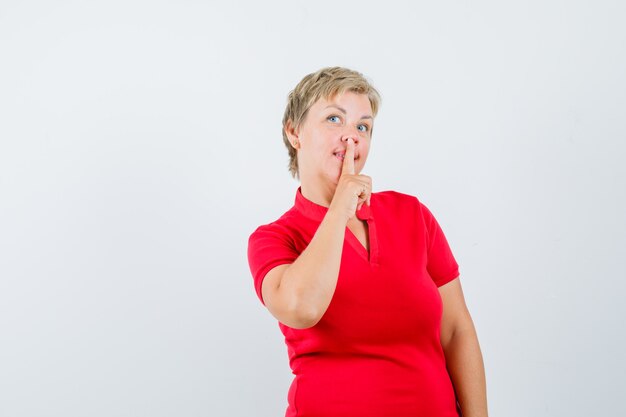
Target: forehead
column 348, row 101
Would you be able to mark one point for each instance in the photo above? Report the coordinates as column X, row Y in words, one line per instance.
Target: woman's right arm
column 299, row 293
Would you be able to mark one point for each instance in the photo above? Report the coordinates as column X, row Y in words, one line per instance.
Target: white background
column 141, row 145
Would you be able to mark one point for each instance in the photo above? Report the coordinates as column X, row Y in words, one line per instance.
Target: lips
column 341, row 155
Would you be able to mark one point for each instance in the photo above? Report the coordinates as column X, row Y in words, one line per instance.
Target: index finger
column 348, row 158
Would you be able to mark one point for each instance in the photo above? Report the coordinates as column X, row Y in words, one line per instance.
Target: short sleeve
column 441, row 264
column 268, row 247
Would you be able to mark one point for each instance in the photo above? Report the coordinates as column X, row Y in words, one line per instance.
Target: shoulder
column 391, row 196
column 280, row 228
column 396, row 201
column 401, row 206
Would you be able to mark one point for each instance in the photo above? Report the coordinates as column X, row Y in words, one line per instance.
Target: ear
column 292, row 135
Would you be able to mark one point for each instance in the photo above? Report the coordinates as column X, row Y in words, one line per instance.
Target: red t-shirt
column 376, row 351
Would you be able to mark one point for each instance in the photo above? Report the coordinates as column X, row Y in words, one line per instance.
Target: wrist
column 337, row 217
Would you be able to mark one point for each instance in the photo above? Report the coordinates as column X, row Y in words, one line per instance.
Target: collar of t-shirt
column 316, row 212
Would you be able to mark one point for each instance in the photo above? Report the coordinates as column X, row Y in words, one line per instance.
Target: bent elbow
column 302, row 316
column 293, row 304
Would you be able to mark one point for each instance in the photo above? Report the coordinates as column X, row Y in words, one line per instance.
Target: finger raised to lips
column 348, row 158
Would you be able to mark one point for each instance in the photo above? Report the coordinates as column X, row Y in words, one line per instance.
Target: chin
column 331, row 177
column 333, row 180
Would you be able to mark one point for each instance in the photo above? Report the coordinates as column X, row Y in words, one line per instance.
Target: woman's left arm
column 463, row 357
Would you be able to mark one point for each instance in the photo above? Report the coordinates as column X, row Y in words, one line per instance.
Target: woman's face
column 324, row 133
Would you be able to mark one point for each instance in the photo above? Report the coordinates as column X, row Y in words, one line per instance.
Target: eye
column 363, row 128
column 334, row 119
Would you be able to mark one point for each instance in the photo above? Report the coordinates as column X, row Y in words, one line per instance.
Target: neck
column 319, row 193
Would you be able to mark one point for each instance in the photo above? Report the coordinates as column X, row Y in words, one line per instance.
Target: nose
column 354, row 137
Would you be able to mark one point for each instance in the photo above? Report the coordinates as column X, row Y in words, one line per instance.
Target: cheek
column 365, row 150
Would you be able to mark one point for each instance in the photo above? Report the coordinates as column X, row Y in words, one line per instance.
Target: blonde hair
column 325, row 83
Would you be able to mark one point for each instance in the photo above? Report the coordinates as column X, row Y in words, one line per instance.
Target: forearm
column 465, row 366
column 311, row 280
column 303, row 291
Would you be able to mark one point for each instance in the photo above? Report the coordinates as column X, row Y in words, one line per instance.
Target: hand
column 352, row 190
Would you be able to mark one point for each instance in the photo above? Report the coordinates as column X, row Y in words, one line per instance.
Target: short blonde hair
column 325, row 83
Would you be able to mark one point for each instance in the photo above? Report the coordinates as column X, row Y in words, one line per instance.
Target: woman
column 363, row 284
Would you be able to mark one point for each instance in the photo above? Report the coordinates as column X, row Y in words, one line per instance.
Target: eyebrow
column 341, row 109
